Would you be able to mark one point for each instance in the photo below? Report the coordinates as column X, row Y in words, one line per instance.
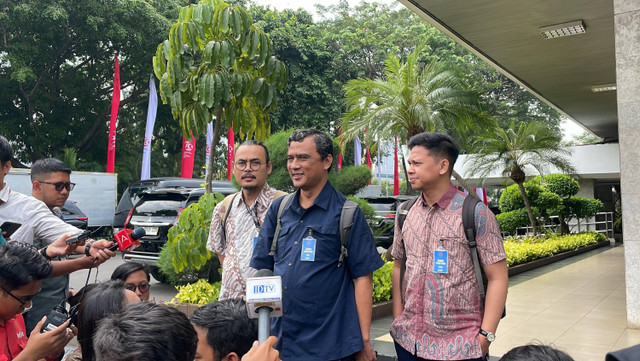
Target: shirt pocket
column 327, row 243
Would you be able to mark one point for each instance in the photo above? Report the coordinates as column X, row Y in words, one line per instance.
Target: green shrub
column 581, row 207
column 560, row 184
column 382, row 283
column 365, row 207
column 200, row 293
column 351, row 179
column 510, row 221
column 511, row 199
column 531, row 248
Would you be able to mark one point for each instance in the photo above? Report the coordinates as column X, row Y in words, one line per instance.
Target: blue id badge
column 308, row 252
column 440, row 261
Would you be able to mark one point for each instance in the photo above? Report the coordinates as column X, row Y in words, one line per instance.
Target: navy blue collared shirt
column 320, row 320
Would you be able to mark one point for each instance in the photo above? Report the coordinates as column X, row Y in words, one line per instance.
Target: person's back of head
column 6, row 151
column 43, row 167
column 535, row 353
column 99, row 301
column 21, row 263
column 145, row 332
column 227, row 327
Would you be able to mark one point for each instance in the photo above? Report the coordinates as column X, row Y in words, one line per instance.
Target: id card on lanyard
column 308, row 250
column 441, row 259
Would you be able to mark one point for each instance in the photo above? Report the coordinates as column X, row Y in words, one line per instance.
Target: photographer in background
column 22, row 269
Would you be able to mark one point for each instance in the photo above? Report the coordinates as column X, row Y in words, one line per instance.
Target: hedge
column 523, row 250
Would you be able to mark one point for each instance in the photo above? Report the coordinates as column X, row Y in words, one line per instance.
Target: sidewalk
column 577, row 305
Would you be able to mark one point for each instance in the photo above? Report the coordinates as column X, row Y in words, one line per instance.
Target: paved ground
column 577, row 304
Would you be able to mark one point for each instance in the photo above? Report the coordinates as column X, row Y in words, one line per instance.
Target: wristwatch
column 490, row 336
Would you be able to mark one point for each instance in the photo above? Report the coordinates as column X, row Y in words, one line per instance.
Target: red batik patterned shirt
column 443, row 312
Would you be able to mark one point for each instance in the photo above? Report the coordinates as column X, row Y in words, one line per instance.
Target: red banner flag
column 396, row 176
column 230, row 148
column 340, row 154
column 115, row 104
column 188, row 154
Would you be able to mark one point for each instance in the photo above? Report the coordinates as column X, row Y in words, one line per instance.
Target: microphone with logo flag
column 127, row 239
column 264, row 300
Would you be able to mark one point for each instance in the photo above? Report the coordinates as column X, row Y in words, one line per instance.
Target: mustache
column 244, row 175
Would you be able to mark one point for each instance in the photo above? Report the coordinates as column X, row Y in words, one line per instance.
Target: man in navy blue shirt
column 326, row 306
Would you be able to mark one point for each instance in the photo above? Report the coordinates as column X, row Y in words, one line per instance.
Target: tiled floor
column 577, row 305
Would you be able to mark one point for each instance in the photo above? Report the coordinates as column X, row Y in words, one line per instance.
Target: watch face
column 491, row 336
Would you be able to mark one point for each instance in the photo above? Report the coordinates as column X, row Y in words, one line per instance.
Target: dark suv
column 383, row 223
column 130, row 195
column 156, row 210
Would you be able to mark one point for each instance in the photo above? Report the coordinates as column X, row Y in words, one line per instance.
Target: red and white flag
column 115, row 104
column 188, row 155
column 396, row 176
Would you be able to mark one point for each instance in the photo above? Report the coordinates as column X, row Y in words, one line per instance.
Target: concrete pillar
column 627, row 40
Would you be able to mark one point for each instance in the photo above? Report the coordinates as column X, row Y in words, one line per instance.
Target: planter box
column 382, row 310
column 186, row 308
column 514, row 270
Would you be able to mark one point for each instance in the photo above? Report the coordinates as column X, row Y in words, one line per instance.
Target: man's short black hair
column 440, row 146
column 124, row 270
column 6, row 151
column 21, row 263
column 44, row 167
column 536, row 352
column 145, row 332
column 324, row 145
column 229, row 327
column 260, row 144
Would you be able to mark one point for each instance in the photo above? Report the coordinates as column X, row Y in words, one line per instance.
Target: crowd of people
column 325, row 267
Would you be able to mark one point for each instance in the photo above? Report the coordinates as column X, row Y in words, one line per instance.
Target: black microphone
column 264, row 300
column 127, row 240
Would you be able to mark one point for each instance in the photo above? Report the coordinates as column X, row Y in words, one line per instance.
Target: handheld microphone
column 264, row 300
column 127, row 239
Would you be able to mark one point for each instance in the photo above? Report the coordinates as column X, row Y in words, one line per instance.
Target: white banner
column 148, row 132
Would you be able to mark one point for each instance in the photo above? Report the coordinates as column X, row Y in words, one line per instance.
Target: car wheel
column 158, row 275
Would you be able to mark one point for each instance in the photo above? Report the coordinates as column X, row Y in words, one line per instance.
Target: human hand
column 367, row 353
column 59, row 247
column 264, row 352
column 100, row 250
column 484, row 345
column 50, row 343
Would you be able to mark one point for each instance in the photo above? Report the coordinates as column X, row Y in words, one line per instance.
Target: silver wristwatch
column 490, row 336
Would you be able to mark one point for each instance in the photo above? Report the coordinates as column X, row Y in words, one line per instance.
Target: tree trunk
column 527, row 205
column 464, row 184
column 564, row 227
column 212, row 150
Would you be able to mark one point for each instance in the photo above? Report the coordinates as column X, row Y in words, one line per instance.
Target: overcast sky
column 570, row 128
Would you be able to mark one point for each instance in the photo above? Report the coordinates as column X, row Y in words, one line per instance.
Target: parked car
column 129, row 196
column 157, row 210
column 383, row 223
column 73, row 215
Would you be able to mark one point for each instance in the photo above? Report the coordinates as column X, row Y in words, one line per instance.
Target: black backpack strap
column 283, row 205
column 469, row 226
column 346, row 222
column 223, row 229
column 401, row 215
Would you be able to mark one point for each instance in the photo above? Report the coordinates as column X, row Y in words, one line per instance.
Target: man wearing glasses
column 237, row 220
column 40, row 226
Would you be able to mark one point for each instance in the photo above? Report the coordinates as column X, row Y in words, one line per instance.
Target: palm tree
column 514, row 150
column 411, row 98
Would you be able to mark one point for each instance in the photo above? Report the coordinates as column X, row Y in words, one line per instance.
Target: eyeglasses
column 22, row 301
column 254, row 165
column 143, row 287
column 62, row 185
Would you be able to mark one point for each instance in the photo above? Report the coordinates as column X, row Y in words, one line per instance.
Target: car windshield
column 158, row 207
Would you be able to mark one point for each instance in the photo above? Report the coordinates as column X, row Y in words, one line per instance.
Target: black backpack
column 469, row 226
column 346, row 222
